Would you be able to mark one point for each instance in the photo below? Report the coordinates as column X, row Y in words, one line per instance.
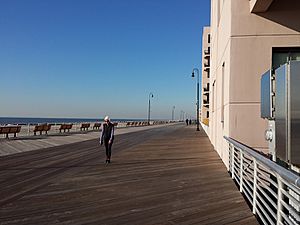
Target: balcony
column 206, row 64
column 205, row 102
column 207, row 51
column 258, row 6
column 207, row 69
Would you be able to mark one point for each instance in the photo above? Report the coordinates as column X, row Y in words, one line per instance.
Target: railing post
column 241, row 171
column 279, row 198
column 232, row 162
column 28, row 129
column 254, row 186
column 230, row 156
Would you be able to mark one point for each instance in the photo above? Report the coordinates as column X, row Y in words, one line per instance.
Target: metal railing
column 272, row 191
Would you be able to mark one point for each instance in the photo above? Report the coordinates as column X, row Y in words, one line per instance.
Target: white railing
column 272, row 190
column 28, row 129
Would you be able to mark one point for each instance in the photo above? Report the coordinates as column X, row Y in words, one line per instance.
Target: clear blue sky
column 89, row 58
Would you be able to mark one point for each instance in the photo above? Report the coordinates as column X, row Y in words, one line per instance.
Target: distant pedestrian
column 187, row 122
column 107, row 137
column 190, row 122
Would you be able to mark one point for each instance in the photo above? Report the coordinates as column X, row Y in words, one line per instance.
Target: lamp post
column 193, row 75
column 173, row 109
column 182, row 115
column 150, row 96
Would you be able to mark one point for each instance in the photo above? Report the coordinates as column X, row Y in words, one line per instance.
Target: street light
column 173, row 109
column 182, row 115
column 193, row 75
column 150, row 96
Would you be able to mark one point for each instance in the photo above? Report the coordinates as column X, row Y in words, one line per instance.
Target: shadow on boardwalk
column 168, row 175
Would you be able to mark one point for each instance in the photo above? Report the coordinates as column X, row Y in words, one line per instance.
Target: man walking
column 107, row 137
column 187, row 122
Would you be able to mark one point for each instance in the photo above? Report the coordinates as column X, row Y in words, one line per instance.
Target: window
column 222, row 100
column 208, row 38
column 281, row 56
column 213, row 96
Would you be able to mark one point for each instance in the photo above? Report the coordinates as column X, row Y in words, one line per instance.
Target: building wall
column 241, row 51
column 220, row 55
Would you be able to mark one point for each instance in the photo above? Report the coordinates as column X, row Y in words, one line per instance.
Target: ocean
column 33, row 121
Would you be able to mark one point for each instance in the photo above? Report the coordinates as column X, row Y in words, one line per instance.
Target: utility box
column 280, row 105
column 287, row 112
column 266, row 110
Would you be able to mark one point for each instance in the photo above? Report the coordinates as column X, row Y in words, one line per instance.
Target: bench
column 10, row 130
column 85, row 126
column 97, row 126
column 42, row 127
column 65, row 127
column 136, row 123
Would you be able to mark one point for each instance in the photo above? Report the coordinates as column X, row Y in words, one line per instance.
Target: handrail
column 272, row 190
column 284, row 173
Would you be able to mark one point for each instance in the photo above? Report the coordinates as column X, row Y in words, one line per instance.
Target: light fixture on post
column 193, row 75
column 173, row 111
column 150, row 96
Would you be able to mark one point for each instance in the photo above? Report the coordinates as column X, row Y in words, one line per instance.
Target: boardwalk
column 167, row 175
column 29, row 143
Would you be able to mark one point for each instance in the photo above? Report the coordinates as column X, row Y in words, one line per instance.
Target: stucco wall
column 242, row 42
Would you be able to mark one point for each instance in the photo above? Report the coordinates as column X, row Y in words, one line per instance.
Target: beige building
column 247, row 38
column 205, row 76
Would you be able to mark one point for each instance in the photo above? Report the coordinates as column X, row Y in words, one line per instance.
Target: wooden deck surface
column 29, row 143
column 166, row 175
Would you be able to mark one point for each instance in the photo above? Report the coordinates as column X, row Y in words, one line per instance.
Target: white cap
column 106, row 118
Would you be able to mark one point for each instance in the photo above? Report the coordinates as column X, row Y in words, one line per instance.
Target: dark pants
column 108, row 148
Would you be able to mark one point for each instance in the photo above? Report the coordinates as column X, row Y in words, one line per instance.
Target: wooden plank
column 167, row 175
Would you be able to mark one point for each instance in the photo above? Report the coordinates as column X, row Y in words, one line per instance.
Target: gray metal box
column 294, row 109
column 266, row 95
column 281, row 114
column 287, row 112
